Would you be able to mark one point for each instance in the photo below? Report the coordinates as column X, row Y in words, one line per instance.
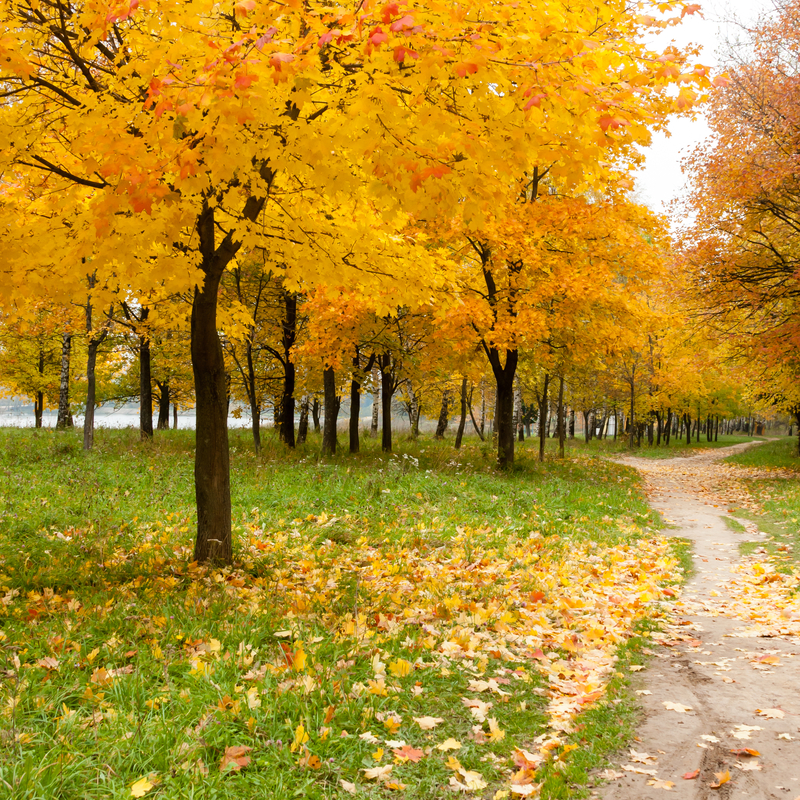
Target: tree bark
column 174, row 416
column 302, row 426
column 561, row 420
column 163, row 405
column 463, row 419
column 289, row 336
column 331, row 407
column 543, row 421
column 441, row 425
column 387, row 390
column 315, row 414
column 145, row 385
column 212, row 455
column 355, row 409
column 64, row 419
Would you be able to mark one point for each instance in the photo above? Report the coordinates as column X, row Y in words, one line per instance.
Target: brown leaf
column 235, row 757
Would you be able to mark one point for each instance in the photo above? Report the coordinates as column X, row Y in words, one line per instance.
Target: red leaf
column 235, row 757
column 690, row 776
column 408, row 753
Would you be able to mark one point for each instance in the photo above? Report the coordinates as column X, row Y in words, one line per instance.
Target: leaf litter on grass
column 355, row 645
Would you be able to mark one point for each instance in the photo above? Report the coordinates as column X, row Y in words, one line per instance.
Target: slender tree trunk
column 64, row 414
column 415, row 406
column 688, row 429
column 561, row 418
column 355, row 409
column 463, row 419
column 482, row 432
column 668, row 427
column 572, row 424
column 331, row 412
column 441, row 425
column 376, row 402
column 174, row 416
column 658, row 428
column 289, row 335
column 315, row 414
column 716, row 429
column 145, row 387
column 163, row 405
column 387, row 390
column 302, row 426
column 255, row 425
column 38, row 409
column 633, row 400
column 543, row 421
column 478, row 428
column 91, row 374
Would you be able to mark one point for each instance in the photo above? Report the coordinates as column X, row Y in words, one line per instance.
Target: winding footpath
column 725, row 674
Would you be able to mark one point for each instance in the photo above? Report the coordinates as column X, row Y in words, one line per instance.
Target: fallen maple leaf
column 427, row 723
column 659, row 784
column 681, row 709
column 770, row 713
column 141, row 787
column 744, row 751
column 690, row 776
column 350, row 788
column 377, row 773
column 235, row 757
column 722, row 778
column 449, row 744
column 408, row 753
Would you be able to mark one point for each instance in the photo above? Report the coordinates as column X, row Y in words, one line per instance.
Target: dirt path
column 731, row 651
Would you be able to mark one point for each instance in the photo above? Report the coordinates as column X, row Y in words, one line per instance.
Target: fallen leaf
column 350, row 788
column 400, row 668
column 744, row 751
column 722, row 778
column 408, row 753
column 643, row 691
column 235, row 757
column 639, row 770
column 690, row 776
column 377, row 773
column 770, row 713
column 752, row 766
column 449, row 744
column 611, row 774
column 681, row 709
column 659, row 784
column 642, row 758
column 141, row 787
column 427, row 723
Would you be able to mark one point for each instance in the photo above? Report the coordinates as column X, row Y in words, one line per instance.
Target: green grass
column 677, row 448
column 734, row 525
column 119, row 659
column 774, row 454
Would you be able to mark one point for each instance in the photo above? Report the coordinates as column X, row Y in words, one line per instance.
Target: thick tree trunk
column 302, row 425
column 463, row 419
column 64, row 419
column 441, row 425
column 91, row 390
column 212, row 455
column 331, row 407
column 561, row 419
column 145, row 387
column 543, row 421
column 387, row 389
column 163, row 405
column 504, row 375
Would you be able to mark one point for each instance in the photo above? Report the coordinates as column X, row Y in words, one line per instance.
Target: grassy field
column 404, row 623
column 676, row 447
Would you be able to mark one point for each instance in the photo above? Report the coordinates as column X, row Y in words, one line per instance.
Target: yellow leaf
column 400, row 668
column 141, row 787
column 300, row 738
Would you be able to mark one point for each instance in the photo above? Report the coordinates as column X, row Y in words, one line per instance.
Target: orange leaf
column 722, row 778
column 744, row 751
column 408, row 753
column 235, row 757
column 690, row 776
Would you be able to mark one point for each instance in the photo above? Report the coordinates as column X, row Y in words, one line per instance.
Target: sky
column 661, row 180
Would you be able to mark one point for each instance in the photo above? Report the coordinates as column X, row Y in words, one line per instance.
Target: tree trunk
column 668, row 427
column 561, row 418
column 633, row 400
column 415, row 410
column 688, row 428
column 504, row 375
column 163, row 406
column 387, row 390
column 289, row 335
column 441, row 425
column 376, row 401
column 302, row 426
column 587, row 434
column 38, row 409
column 331, row 407
column 212, row 456
column 174, row 416
column 64, row 414
column 572, row 425
column 255, row 426
column 478, row 428
column 716, row 429
column 482, row 432
column 355, row 410
column 463, row 419
column 145, row 386
column 315, row 414
column 543, row 421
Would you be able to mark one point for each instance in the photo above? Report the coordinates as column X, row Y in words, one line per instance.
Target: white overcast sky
column 661, row 180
